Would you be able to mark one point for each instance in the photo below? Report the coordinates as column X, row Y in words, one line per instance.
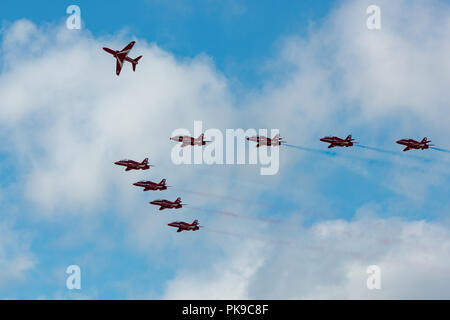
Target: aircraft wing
column 109, row 50
column 128, row 47
column 185, row 143
column 119, row 64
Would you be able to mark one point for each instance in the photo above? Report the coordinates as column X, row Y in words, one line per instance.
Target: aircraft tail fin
column 145, row 161
column 277, row 140
column 349, row 137
column 163, row 182
column 178, row 200
column 424, row 140
column 195, row 222
column 135, row 62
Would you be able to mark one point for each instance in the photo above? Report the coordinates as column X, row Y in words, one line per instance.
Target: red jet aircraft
column 184, row 226
column 122, row 56
column 149, row 185
column 133, row 165
column 190, row 141
column 338, row 142
column 264, row 141
column 166, row 204
column 413, row 144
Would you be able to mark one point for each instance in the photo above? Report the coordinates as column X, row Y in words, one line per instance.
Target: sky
column 308, row 69
column 237, row 35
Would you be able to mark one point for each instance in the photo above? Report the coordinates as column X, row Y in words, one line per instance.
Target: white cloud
column 222, row 280
column 329, row 261
column 68, row 117
column 77, row 118
column 385, row 85
column 399, row 72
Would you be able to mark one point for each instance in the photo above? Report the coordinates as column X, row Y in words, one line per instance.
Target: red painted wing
column 128, row 47
column 109, row 50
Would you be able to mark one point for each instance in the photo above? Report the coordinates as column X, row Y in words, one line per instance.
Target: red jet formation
column 338, row 142
column 184, row 226
column 264, row 141
column 166, row 204
column 133, row 165
column 190, row 141
column 122, row 56
column 149, row 185
column 413, row 144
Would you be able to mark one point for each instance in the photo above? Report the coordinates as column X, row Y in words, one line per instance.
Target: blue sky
column 239, row 35
column 285, row 60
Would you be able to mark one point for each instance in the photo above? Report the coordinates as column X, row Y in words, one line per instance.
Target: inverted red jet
column 184, row 226
column 133, row 165
column 338, row 142
column 264, row 141
column 166, row 204
column 190, row 141
column 413, row 144
column 149, row 185
column 122, row 56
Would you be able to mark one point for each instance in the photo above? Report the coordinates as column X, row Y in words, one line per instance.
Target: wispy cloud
column 65, row 118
